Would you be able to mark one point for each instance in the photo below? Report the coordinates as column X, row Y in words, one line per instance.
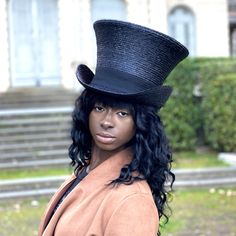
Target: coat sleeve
column 136, row 215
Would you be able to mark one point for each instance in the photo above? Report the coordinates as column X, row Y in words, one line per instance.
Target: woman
column 119, row 149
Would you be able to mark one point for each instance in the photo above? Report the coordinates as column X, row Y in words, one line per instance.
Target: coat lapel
column 98, row 177
column 52, row 204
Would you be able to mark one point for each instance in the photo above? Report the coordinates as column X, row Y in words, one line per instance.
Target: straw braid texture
column 137, row 50
column 132, row 62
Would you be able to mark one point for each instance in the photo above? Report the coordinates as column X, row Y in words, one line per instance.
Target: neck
column 99, row 156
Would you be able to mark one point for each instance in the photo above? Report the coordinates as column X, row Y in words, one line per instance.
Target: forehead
column 112, row 102
column 114, row 106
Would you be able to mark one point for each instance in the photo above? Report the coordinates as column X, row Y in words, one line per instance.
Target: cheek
column 133, row 131
column 130, row 130
column 91, row 123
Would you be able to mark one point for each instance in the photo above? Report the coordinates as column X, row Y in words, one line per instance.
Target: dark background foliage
column 201, row 109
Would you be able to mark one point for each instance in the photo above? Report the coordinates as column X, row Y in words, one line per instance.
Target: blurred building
column 42, row 41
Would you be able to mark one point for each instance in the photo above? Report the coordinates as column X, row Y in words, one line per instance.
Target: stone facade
column 4, row 56
column 212, row 32
column 77, row 41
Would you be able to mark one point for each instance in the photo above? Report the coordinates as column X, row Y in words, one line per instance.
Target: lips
column 105, row 138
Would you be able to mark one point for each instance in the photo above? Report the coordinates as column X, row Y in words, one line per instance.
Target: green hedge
column 179, row 114
column 184, row 113
column 219, row 111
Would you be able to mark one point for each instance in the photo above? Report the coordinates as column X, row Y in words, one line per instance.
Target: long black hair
column 152, row 156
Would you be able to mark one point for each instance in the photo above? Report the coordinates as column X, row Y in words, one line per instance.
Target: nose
column 107, row 121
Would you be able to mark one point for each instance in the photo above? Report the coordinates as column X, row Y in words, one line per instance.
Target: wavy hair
column 152, row 157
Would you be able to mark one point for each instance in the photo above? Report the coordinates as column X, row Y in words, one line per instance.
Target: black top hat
column 132, row 62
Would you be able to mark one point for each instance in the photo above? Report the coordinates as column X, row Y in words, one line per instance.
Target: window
column 34, row 42
column 181, row 26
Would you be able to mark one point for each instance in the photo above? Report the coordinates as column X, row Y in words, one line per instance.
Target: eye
column 98, row 108
column 123, row 113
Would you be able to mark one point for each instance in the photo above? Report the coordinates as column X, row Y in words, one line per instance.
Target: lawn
column 35, row 172
column 202, row 212
column 196, row 212
column 197, row 160
column 21, row 217
column 181, row 160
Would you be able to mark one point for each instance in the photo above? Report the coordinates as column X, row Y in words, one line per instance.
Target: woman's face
column 111, row 128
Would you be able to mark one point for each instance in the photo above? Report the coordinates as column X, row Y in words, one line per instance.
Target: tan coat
column 95, row 209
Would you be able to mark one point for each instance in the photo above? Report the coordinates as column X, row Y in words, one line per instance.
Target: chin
column 109, row 147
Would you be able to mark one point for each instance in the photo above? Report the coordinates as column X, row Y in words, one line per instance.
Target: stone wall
column 77, row 41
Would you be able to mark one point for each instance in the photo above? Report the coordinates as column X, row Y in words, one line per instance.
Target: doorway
column 34, row 43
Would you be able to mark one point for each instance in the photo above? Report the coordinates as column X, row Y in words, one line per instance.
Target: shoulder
column 122, row 191
column 136, row 198
column 137, row 192
column 131, row 207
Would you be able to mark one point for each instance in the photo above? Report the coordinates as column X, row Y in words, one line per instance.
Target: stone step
column 28, row 138
column 36, row 111
column 29, row 187
column 202, row 173
column 31, row 183
column 46, row 128
column 39, row 155
column 34, row 137
column 33, row 146
column 40, row 98
column 27, row 193
column 32, row 91
column 229, row 158
column 205, row 183
column 35, row 163
column 10, row 106
column 32, row 121
column 37, row 97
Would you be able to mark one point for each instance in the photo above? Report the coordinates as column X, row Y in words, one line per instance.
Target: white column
column 158, row 15
column 66, row 40
column 75, row 39
column 4, row 57
column 87, row 38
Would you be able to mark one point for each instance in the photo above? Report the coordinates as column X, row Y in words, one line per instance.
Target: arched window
column 181, row 26
column 115, row 9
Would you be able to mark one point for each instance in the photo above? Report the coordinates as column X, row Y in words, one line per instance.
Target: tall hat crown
column 132, row 62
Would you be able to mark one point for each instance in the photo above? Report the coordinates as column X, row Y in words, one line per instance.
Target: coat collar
column 99, row 176
column 112, row 166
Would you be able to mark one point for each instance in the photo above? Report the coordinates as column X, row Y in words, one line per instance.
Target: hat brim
column 156, row 96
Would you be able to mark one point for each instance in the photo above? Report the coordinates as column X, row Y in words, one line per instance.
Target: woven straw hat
column 132, row 62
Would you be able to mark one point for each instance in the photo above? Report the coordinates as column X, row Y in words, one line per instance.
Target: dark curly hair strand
column 152, row 157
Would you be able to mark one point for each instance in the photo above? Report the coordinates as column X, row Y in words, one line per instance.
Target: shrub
column 182, row 115
column 219, row 112
column 179, row 115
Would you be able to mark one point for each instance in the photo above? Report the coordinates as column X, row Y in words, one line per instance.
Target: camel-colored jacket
column 94, row 209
